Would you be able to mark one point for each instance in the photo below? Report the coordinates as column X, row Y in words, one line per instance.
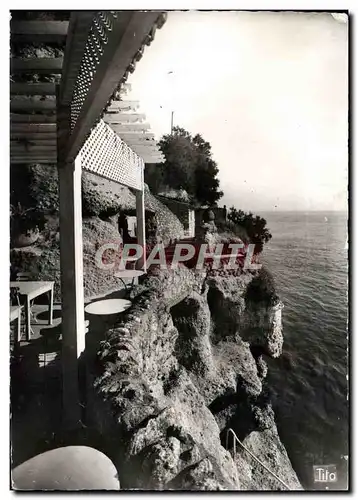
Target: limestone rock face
column 170, row 381
column 258, row 324
column 263, row 328
column 265, row 445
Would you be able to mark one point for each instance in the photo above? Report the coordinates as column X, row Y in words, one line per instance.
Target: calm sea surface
column 308, row 259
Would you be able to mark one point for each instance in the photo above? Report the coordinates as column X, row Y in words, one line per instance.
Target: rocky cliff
column 185, row 364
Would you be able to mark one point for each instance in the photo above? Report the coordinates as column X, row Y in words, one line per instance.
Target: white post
column 73, row 327
column 140, row 212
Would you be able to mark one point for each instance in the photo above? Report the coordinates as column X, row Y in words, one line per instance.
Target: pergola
column 86, row 125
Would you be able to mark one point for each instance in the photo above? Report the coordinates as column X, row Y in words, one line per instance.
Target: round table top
column 108, row 306
column 67, row 468
column 129, row 273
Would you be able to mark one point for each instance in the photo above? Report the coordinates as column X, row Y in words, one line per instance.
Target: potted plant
column 25, row 225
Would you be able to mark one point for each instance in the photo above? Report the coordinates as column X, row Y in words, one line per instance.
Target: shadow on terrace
column 36, row 385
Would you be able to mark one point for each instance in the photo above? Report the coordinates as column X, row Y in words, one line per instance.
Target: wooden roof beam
column 33, row 159
column 17, row 88
column 23, row 118
column 140, row 147
column 137, row 139
column 39, row 31
column 139, row 151
column 29, row 148
column 144, row 146
column 34, row 142
column 129, row 127
column 31, row 105
column 44, row 65
column 126, row 87
column 137, row 136
column 117, row 106
column 33, row 127
column 151, row 159
column 33, row 136
column 46, row 161
column 123, row 118
column 152, row 152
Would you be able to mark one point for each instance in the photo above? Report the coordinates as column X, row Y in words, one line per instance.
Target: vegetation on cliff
column 190, row 169
column 262, row 289
column 254, row 227
column 188, row 166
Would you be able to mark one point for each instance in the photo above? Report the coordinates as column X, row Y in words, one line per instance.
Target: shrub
column 262, row 289
column 24, row 219
column 255, row 226
column 234, row 229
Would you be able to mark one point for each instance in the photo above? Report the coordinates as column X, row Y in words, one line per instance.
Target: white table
column 30, row 290
column 15, row 313
column 128, row 273
column 108, row 306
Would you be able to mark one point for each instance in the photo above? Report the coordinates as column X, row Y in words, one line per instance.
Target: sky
column 268, row 90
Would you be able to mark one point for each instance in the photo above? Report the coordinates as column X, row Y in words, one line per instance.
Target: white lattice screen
column 97, row 39
column 105, row 154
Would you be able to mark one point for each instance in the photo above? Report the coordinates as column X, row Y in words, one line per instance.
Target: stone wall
column 183, row 211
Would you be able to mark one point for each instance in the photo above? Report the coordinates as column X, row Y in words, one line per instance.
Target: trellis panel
column 105, row 154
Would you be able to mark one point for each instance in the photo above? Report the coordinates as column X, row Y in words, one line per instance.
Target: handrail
column 252, row 455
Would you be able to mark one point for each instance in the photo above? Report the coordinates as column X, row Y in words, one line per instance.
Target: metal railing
column 236, row 439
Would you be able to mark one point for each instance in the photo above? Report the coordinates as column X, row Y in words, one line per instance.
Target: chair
column 15, row 301
column 26, row 276
column 14, row 296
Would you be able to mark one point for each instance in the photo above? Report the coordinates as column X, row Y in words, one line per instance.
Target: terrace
column 71, row 111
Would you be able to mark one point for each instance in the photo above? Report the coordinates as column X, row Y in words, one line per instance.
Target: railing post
column 235, row 438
